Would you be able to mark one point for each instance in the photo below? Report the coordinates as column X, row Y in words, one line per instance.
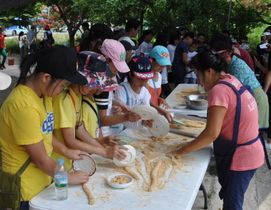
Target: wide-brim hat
column 5, row 81
column 96, row 70
column 141, row 67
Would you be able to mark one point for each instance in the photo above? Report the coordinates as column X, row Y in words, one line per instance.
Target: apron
column 223, row 149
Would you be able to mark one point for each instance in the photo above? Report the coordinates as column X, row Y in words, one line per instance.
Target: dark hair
column 221, row 42
column 226, row 32
column 145, row 33
column 209, row 59
column 189, row 34
column 21, row 34
column 201, row 34
column 27, row 66
column 132, row 23
column 161, row 39
column 173, row 37
column 262, row 38
column 85, row 24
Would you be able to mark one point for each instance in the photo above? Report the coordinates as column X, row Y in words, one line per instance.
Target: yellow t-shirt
column 26, row 119
column 90, row 119
column 66, row 108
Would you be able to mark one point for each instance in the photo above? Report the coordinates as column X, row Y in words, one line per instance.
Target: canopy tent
column 7, row 4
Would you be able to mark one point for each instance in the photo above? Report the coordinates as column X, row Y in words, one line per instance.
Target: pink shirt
column 249, row 156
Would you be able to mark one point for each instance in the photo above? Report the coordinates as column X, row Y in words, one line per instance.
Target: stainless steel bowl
column 198, row 102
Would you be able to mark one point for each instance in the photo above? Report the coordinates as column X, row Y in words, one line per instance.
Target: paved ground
column 258, row 196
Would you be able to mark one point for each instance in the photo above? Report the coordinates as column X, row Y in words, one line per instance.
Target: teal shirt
column 242, row 71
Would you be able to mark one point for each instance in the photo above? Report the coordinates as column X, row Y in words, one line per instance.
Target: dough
column 154, row 176
column 129, row 170
column 120, row 180
column 91, row 198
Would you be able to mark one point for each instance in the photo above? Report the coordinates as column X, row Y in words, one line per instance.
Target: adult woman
column 26, row 120
column 232, row 125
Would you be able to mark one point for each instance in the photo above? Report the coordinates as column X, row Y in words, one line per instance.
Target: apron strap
column 127, row 97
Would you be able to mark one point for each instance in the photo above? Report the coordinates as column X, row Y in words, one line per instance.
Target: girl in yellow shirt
column 27, row 120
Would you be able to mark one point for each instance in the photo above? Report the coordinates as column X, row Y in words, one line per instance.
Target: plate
column 160, row 127
column 130, row 157
column 119, row 186
column 124, row 140
column 179, row 106
column 87, row 165
column 146, row 112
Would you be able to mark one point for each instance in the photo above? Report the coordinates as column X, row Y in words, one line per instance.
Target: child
column 3, row 51
column 69, row 128
column 26, row 120
column 133, row 92
column 191, row 77
column 145, row 44
column 21, row 44
column 160, row 57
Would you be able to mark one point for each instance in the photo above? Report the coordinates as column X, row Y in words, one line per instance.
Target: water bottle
column 61, row 181
column 114, row 130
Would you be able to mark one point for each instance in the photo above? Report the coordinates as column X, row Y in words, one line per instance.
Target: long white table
column 179, row 192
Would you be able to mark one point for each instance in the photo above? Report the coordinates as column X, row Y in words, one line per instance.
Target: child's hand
column 116, row 110
column 78, row 177
column 132, row 117
column 116, row 151
column 74, row 154
column 147, row 123
column 163, row 102
column 110, row 140
column 125, row 108
column 167, row 115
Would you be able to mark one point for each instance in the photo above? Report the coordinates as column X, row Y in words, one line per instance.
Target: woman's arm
column 215, row 120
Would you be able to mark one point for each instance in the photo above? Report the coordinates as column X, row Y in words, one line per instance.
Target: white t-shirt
column 193, row 75
column 171, row 49
column 164, row 73
column 21, row 42
column 144, row 48
column 134, row 99
column 158, row 83
column 128, row 39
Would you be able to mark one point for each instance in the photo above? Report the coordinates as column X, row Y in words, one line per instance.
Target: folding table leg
column 205, row 196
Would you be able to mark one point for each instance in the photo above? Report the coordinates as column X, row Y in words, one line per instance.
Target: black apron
column 224, row 150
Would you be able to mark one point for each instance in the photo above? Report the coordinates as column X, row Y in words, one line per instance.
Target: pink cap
column 116, row 52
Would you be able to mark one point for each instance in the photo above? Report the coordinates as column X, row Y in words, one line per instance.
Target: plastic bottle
column 61, row 181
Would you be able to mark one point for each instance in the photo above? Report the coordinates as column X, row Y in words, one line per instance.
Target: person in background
column 173, row 42
column 26, row 120
column 21, row 44
column 31, row 40
column 160, row 59
column 191, row 77
column 48, row 36
column 260, row 52
column 244, row 44
column 201, row 42
column 3, row 51
column 145, row 44
column 181, row 58
column 232, row 127
column 181, row 30
column 85, row 28
column 132, row 28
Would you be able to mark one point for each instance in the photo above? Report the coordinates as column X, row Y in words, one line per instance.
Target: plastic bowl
column 130, row 157
column 120, row 186
column 87, row 165
column 124, row 140
column 198, row 102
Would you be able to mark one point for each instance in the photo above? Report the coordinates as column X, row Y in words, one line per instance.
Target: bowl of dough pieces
column 198, row 102
column 120, row 181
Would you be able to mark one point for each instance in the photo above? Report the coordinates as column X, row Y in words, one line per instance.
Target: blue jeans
column 24, row 205
column 22, row 52
column 237, row 186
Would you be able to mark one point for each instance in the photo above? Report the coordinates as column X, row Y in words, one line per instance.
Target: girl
column 160, row 59
column 232, row 126
column 191, row 77
column 145, row 44
column 69, row 128
column 3, row 51
column 26, row 120
column 133, row 92
column 21, row 44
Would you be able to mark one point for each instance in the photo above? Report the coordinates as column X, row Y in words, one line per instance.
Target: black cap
column 127, row 45
column 61, row 62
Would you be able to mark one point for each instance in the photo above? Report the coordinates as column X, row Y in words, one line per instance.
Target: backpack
column 50, row 38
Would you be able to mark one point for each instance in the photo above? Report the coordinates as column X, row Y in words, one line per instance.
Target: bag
column 50, row 38
column 10, row 188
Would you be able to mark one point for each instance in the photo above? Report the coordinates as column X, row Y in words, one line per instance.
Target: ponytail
column 26, row 66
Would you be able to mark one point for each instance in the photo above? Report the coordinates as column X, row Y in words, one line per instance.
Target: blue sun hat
column 141, row 67
column 161, row 55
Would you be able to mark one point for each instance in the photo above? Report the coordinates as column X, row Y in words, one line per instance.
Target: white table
column 174, row 101
column 179, row 193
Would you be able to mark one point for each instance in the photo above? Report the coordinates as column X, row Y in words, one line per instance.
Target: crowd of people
column 109, row 73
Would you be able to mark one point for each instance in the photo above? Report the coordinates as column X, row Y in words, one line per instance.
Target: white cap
column 267, row 32
column 5, row 81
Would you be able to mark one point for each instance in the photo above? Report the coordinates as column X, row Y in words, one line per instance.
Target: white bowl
column 119, row 186
column 130, row 157
column 160, row 127
column 87, row 165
